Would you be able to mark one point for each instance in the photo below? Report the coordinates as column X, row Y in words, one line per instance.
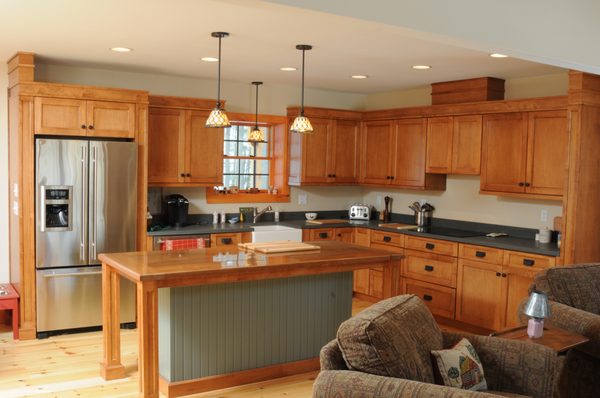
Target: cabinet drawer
column 387, row 238
column 389, row 248
column 480, row 253
column 430, row 268
column 321, row 234
column 439, row 299
column 532, row 261
column 431, row 245
column 224, row 240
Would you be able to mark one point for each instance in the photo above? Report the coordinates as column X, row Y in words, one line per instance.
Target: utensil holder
column 423, row 218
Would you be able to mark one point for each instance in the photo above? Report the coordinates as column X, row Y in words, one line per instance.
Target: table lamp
column 537, row 309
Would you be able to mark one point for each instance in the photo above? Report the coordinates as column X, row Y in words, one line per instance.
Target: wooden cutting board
column 278, row 247
column 327, row 221
column 398, row 226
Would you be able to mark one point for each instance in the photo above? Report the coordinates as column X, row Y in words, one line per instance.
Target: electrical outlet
column 544, row 215
column 379, row 201
column 302, row 199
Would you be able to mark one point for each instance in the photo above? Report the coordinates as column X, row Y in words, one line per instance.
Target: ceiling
column 170, row 37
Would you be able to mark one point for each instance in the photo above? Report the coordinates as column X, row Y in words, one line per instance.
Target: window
column 244, row 164
column 253, row 172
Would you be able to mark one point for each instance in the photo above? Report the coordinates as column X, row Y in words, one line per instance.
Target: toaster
column 359, row 212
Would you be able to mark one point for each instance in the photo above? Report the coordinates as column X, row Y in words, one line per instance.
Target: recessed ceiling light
column 210, row 59
column 421, row 67
column 498, row 55
column 359, row 76
column 288, row 68
column 121, row 49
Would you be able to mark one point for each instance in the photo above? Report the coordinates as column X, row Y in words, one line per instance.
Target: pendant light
column 218, row 118
column 256, row 135
column 301, row 123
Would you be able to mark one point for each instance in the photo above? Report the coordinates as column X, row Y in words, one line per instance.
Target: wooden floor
column 68, row 366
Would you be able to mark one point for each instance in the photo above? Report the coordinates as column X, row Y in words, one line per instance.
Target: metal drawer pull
column 498, row 274
column 528, row 262
column 429, row 268
column 479, row 254
column 226, row 241
column 387, row 238
column 427, row 297
column 72, row 274
column 323, row 235
column 429, row 246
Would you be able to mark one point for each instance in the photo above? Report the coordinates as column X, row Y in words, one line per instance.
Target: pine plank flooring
column 68, row 366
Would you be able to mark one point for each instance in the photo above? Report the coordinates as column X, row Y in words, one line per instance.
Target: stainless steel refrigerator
column 85, row 205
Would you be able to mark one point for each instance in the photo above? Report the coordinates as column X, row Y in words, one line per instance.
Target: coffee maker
column 177, row 210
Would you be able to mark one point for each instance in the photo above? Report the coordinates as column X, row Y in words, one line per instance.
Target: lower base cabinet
column 439, row 299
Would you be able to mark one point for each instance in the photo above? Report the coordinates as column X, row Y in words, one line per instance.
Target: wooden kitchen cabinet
column 362, row 237
column 525, row 153
column 454, row 145
column 345, row 235
column 318, row 234
column 75, row 117
column 181, row 151
column 393, row 153
column 492, row 283
column 327, row 156
column 225, row 240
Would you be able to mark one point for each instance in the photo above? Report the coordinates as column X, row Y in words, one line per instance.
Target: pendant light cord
column 219, row 78
column 256, row 112
column 302, row 103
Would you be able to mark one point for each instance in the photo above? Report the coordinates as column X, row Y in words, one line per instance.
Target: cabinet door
column 547, row 152
column 110, row 119
column 479, row 294
column 517, row 282
column 345, row 235
column 360, row 283
column 59, row 116
column 409, row 153
column 344, row 151
column 166, row 144
column 204, row 151
column 466, row 145
column 362, row 237
column 376, row 283
column 439, row 145
column 314, row 152
column 376, row 151
column 504, row 152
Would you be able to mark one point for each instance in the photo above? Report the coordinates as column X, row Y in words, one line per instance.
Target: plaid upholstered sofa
column 574, row 294
column 384, row 352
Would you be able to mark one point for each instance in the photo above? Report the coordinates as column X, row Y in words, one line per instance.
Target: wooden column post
column 111, row 366
column 147, row 317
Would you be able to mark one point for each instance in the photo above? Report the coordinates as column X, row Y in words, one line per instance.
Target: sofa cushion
column 575, row 286
column 459, row 367
column 392, row 338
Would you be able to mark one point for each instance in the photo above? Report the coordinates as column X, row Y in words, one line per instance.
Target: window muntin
column 244, row 165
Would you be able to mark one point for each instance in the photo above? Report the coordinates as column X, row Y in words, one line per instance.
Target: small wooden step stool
column 9, row 300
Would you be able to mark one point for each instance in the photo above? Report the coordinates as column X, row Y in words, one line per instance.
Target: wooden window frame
column 278, row 165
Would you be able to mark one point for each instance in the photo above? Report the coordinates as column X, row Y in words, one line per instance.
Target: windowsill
column 261, row 197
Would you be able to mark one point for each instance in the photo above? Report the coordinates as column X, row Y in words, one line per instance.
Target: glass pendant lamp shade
column 218, row 118
column 256, row 135
column 301, row 124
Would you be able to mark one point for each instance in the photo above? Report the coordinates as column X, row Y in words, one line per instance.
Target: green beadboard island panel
column 216, row 329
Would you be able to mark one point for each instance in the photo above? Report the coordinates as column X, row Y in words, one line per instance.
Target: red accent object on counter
column 182, row 244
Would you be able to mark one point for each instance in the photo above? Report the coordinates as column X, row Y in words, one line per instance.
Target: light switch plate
column 544, row 215
column 302, row 199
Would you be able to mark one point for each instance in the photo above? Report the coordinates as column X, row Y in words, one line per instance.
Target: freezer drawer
column 69, row 298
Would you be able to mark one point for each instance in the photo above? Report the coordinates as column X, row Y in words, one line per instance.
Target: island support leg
column 111, row 367
column 147, row 316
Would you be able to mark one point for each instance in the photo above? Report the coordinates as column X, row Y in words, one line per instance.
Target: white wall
column 4, row 276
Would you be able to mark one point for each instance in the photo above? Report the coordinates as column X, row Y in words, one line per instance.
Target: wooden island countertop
column 153, row 270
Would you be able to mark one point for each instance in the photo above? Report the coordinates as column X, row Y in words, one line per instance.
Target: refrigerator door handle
column 83, row 237
column 72, row 274
column 94, row 195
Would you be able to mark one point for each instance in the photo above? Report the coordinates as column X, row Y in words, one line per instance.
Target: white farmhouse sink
column 271, row 233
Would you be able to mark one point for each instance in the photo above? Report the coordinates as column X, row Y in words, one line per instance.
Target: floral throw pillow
column 459, row 367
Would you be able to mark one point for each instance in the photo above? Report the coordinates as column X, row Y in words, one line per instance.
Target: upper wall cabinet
column 327, row 156
column 74, row 117
column 454, row 145
column 393, row 153
column 181, row 151
column 525, row 153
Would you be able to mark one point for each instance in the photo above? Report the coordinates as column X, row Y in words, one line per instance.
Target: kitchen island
column 303, row 271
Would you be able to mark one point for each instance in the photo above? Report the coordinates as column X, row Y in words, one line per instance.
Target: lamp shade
column 217, row 118
column 301, row 125
column 256, row 135
column 537, row 306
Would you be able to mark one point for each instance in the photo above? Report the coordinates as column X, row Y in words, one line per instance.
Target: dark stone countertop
column 508, row 242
